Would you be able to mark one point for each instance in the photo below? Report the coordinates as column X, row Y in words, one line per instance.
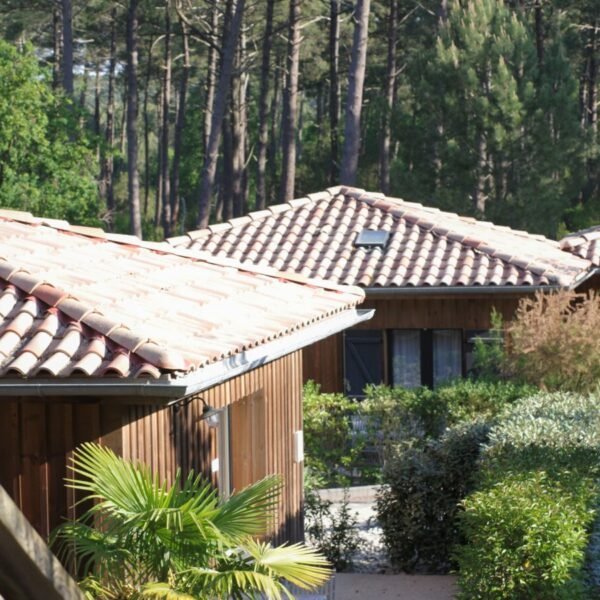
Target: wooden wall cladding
column 36, row 442
column 37, row 439
column 324, row 363
column 186, row 441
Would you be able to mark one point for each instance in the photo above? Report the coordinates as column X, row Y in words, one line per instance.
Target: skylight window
column 372, row 238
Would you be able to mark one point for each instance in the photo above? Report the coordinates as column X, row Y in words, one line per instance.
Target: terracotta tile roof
column 584, row 243
column 79, row 302
column 315, row 236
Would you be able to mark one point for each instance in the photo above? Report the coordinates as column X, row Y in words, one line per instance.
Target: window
column 363, row 360
column 491, row 337
column 404, row 357
column 447, row 355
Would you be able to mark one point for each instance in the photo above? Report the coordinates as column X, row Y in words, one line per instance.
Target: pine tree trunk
column 219, row 105
column 539, row 33
column 84, row 87
column 273, row 148
column 226, row 188
column 166, row 105
column 479, row 196
column 356, row 78
column 290, row 105
column 180, row 126
column 146, row 116
column 390, row 96
column 67, row 50
column 97, row 124
column 109, row 132
column 57, row 46
column 159, row 101
column 334, row 89
column 592, row 93
column 238, row 157
column 133, row 177
column 211, row 75
column 263, row 109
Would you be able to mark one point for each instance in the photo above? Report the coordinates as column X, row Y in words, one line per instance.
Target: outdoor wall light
column 209, row 414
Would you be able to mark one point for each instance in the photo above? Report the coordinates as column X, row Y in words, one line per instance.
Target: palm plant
column 142, row 538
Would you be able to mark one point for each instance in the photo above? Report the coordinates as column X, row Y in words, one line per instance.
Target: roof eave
column 171, row 389
column 233, row 366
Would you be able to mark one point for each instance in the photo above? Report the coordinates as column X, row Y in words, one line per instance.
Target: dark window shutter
column 363, row 360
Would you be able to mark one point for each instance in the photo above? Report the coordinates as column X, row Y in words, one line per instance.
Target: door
column 247, row 441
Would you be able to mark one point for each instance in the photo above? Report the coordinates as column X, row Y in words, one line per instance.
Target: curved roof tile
column 428, row 247
column 80, row 302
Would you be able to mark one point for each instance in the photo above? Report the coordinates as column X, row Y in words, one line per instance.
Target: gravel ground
column 371, row 575
column 371, row 558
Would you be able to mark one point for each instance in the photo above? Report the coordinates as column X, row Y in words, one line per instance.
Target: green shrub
column 527, row 527
column 331, row 448
column 526, row 539
column 468, row 399
column 394, row 415
column 424, row 483
column 489, row 356
column 333, row 532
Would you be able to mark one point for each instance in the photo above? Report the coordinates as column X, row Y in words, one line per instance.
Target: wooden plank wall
column 323, row 361
column 186, row 441
column 38, row 437
column 36, row 442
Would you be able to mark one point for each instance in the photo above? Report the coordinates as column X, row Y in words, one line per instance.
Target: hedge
column 527, row 527
column 417, row 506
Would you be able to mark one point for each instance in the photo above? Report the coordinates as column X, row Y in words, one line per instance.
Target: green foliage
column 333, row 532
column 46, row 165
column 489, row 355
column 526, row 539
column 397, row 414
column 483, row 115
column 527, row 527
column 468, row 399
column 144, row 538
column 331, row 448
column 418, row 505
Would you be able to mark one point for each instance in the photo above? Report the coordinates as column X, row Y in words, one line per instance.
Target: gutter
column 455, row 290
column 173, row 387
column 232, row 366
column 460, row 290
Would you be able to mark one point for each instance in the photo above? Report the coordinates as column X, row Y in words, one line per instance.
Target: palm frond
column 165, row 591
column 128, row 495
column 296, row 563
column 87, row 547
column 248, row 512
column 235, row 583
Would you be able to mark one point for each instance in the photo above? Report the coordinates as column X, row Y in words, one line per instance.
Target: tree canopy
column 47, row 163
column 484, row 107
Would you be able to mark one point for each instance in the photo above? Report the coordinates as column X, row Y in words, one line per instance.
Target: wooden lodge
column 432, row 277
column 132, row 344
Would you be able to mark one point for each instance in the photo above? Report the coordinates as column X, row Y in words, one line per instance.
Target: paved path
column 366, row 586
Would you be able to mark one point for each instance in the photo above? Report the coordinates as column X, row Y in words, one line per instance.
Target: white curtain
column 406, row 357
column 447, row 355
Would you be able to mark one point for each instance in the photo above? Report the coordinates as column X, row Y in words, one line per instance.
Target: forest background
column 155, row 117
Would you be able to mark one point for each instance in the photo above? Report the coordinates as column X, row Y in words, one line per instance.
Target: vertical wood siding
column 36, row 442
column 37, row 439
column 186, row 441
column 324, row 361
